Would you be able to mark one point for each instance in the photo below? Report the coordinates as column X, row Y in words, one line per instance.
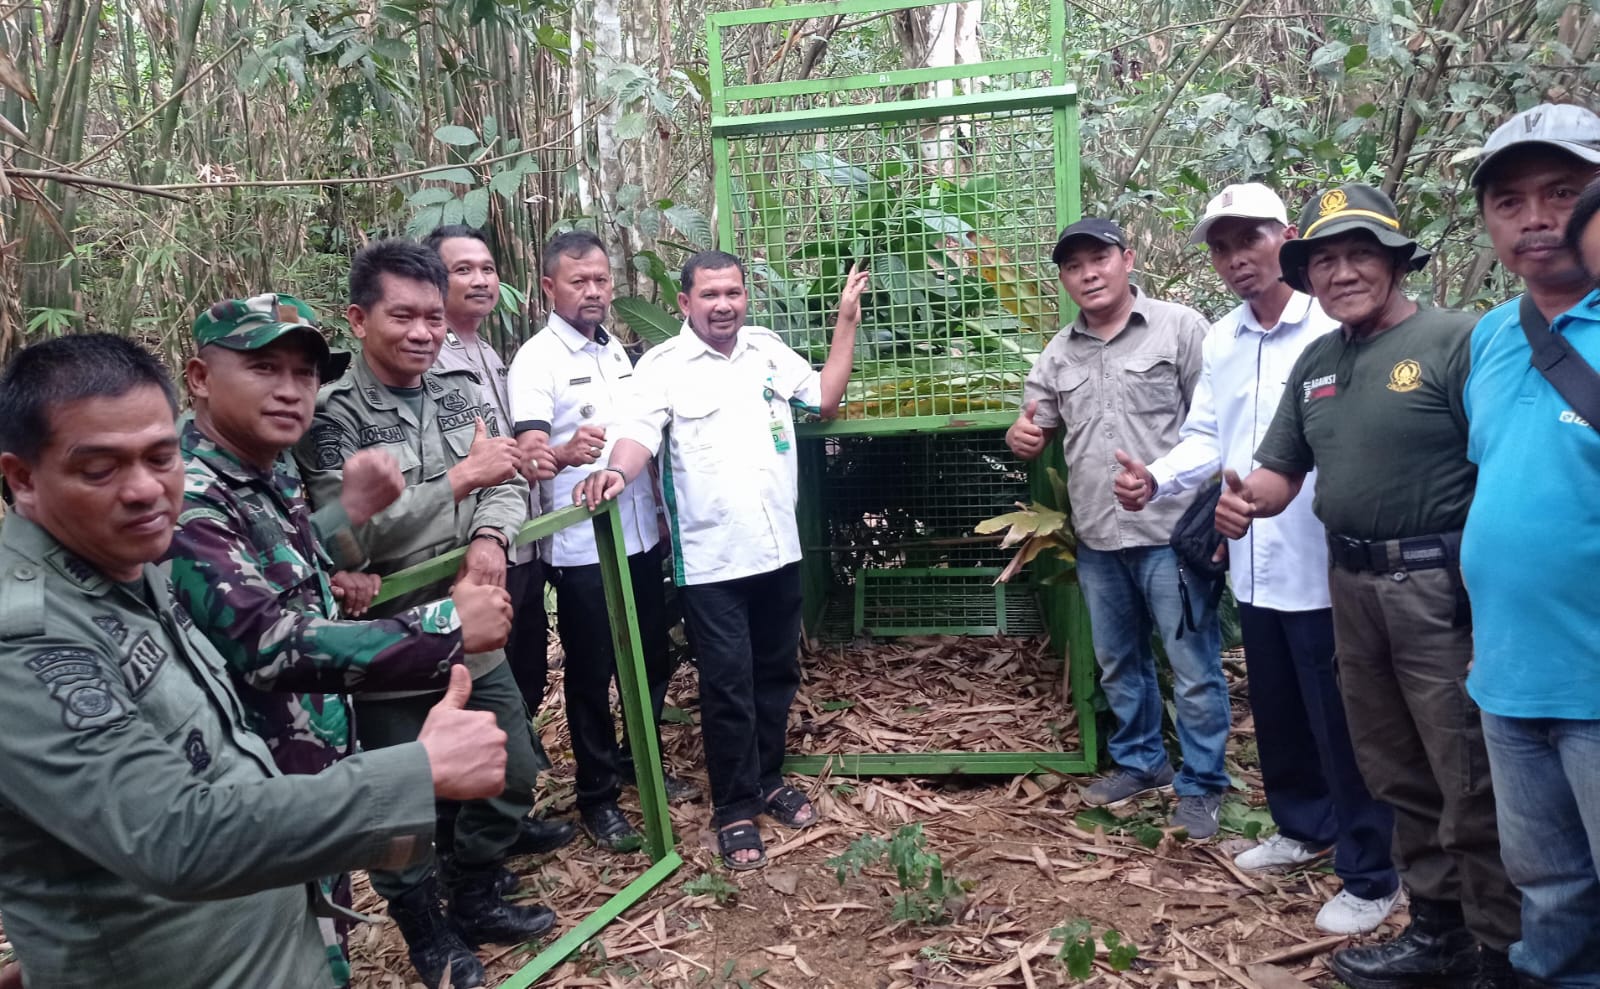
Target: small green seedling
column 712, row 884
column 1078, row 949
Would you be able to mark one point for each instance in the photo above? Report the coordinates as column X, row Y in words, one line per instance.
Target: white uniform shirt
column 560, row 380
column 728, row 478
column 477, row 356
column 1282, row 562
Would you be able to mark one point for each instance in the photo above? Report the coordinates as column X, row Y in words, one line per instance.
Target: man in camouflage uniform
column 146, row 838
column 249, row 563
column 463, row 489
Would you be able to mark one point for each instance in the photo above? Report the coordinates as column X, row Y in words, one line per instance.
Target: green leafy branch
column 1035, row 528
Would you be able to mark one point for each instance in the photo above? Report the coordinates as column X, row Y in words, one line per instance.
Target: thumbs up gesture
column 1025, row 437
column 492, row 459
column 1134, row 485
column 466, row 749
column 1237, row 506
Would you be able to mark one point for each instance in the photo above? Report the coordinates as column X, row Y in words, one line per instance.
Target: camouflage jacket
column 248, row 564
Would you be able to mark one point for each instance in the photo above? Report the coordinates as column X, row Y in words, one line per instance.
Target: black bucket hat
column 1351, row 207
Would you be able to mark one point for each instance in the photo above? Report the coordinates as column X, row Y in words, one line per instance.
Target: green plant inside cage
column 960, row 304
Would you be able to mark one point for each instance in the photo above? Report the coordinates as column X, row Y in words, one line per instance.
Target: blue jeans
column 1132, row 593
column 1547, row 800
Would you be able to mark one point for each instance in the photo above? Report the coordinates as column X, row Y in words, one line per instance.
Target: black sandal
column 785, row 805
column 740, row 838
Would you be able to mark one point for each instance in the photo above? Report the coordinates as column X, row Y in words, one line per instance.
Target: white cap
column 1250, row 200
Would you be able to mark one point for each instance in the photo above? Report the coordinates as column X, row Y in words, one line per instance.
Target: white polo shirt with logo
column 729, row 475
column 560, row 380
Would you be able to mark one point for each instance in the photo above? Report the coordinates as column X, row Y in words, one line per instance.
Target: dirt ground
column 1033, row 860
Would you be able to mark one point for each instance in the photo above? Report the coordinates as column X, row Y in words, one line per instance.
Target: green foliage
column 1037, row 528
column 926, row 895
column 714, row 885
column 1078, row 949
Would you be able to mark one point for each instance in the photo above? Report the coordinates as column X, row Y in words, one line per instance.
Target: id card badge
column 780, row 435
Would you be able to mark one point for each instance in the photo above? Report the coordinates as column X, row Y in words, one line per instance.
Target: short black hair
column 707, row 261
column 571, row 244
column 451, row 231
column 398, row 257
column 1583, row 214
column 69, row 369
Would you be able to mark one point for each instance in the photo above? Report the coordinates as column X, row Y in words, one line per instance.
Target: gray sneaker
column 1125, row 784
column 1198, row 815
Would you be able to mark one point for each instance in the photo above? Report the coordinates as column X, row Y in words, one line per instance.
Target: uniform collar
column 377, row 394
column 1294, row 313
column 1587, row 310
column 32, row 542
column 196, row 445
column 1141, row 309
column 699, row 347
column 572, row 337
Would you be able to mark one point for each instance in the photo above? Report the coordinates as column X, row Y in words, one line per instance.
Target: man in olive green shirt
column 1376, row 408
column 146, row 838
column 463, row 489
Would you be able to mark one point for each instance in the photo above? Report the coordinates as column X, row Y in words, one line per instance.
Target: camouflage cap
column 253, row 323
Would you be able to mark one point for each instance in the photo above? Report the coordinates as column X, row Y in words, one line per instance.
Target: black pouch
column 1195, row 540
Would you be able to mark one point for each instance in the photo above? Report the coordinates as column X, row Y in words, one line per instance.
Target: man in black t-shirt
column 1376, row 408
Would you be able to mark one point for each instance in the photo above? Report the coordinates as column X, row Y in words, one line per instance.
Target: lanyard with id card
column 780, row 433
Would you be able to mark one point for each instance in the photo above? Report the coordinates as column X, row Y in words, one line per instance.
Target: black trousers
column 1308, row 767
column 528, row 648
column 746, row 638
column 584, row 625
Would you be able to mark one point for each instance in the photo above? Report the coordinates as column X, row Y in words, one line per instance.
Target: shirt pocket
column 405, row 454
column 695, row 427
column 1074, row 399
column 458, row 444
column 1150, row 385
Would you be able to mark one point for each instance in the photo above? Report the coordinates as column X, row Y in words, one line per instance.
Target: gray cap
column 1569, row 128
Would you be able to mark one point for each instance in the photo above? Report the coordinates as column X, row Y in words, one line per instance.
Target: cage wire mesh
column 953, row 214
column 896, row 518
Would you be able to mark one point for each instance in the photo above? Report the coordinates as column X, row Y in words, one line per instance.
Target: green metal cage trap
column 950, row 184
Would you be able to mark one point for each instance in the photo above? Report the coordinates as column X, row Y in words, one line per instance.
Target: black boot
column 537, row 836
column 479, row 913
column 434, row 946
column 1436, row 949
column 1494, row 970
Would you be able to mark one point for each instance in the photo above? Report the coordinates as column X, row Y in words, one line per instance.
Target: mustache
column 1534, row 242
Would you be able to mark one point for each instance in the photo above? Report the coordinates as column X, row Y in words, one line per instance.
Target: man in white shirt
column 567, row 384
column 1279, row 570
column 728, row 480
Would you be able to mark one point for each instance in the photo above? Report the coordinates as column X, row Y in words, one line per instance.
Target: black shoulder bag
column 1558, row 360
column 1195, row 540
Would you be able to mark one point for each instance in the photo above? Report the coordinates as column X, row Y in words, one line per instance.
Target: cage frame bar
column 633, row 693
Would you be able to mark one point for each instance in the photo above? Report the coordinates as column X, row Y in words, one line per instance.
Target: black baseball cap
column 1104, row 231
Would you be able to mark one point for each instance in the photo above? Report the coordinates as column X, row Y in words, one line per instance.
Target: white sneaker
column 1348, row 913
column 1278, row 852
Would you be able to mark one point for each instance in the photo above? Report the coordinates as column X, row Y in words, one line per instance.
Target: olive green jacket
column 357, row 412
column 146, row 839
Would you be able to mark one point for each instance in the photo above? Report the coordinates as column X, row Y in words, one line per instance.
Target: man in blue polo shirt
column 1531, row 546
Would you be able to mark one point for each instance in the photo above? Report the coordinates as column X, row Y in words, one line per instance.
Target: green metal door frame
column 735, row 116
column 635, row 695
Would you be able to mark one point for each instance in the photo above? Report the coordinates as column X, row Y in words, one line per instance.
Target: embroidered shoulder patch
column 330, row 447
column 79, row 685
column 194, row 749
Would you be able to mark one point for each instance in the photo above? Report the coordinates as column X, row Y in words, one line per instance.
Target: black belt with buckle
column 1429, row 552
